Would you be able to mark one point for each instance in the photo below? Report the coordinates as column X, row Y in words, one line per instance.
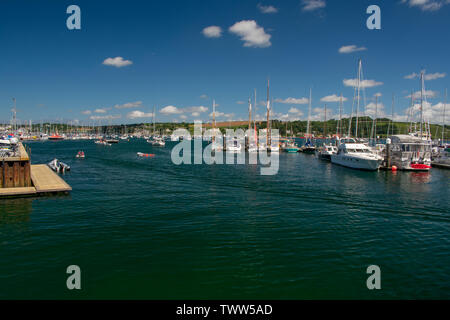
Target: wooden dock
column 44, row 182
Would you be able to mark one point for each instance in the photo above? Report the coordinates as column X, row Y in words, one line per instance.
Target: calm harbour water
column 146, row 228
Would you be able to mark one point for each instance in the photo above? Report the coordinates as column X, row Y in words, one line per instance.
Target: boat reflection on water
column 15, row 210
column 420, row 177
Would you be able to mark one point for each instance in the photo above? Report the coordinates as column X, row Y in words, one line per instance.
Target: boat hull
column 356, row 163
column 291, row 150
column 324, row 156
column 308, row 150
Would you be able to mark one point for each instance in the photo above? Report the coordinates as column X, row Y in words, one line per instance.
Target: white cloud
column 240, row 102
column 170, row 110
column 411, row 76
column 295, row 111
column 364, row 83
column 333, row 98
column 183, row 117
column 351, row 48
column 311, row 5
column 252, row 34
column 267, row 9
column 195, row 114
column 108, row 117
column 100, row 110
column 427, row 76
column 432, row 113
column 174, row 110
column 372, row 107
column 129, row 105
column 139, row 114
column 198, row 109
column 117, row 62
column 86, row 112
column 212, row 32
column 427, row 5
column 427, row 94
column 204, row 96
column 293, row 100
column 222, row 115
column 434, row 76
column 217, row 114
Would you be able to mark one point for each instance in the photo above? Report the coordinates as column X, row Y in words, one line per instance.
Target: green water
column 146, row 228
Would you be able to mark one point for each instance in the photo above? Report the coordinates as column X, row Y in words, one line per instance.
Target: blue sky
column 132, row 56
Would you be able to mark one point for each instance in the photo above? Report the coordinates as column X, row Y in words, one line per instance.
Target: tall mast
column 214, row 120
column 392, row 118
column 421, row 103
column 309, row 114
column 254, row 122
column 411, row 111
column 154, row 128
column 325, row 123
column 14, row 110
column 443, row 118
column 254, row 119
column 357, row 103
column 375, row 120
column 249, row 114
column 268, row 115
column 340, row 118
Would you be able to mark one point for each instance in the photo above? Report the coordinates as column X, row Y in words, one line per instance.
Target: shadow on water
column 15, row 210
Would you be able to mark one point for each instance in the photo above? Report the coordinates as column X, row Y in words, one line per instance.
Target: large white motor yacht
column 356, row 155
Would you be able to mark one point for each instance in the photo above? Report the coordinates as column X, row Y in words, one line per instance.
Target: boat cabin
column 405, row 151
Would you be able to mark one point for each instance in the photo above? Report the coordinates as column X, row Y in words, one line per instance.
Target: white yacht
column 157, row 141
column 252, row 148
column 235, row 147
column 274, row 148
column 356, row 156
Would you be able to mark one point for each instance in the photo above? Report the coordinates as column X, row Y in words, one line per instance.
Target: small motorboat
column 58, row 166
column 80, row 155
column 145, row 155
column 102, row 142
column 56, row 137
column 157, row 141
column 324, row 152
column 420, row 167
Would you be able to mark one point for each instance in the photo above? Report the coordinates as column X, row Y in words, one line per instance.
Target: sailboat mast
column 411, row 111
column 391, row 123
column 339, row 127
column 325, row 123
column 214, row 121
column 268, row 115
column 443, row 118
column 254, row 122
column 375, row 120
column 254, row 119
column 14, row 110
column 154, row 127
column 309, row 114
column 357, row 103
column 421, row 103
column 249, row 114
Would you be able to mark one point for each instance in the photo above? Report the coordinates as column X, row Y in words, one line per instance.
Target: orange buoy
column 394, row 168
